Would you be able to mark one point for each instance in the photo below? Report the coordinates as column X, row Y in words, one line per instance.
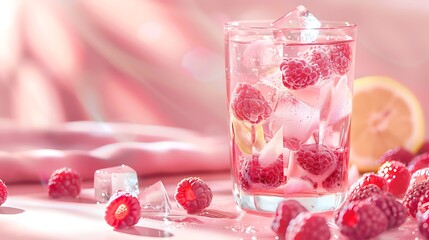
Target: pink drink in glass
column 289, row 93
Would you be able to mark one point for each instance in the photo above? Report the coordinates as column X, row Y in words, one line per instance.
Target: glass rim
column 264, row 25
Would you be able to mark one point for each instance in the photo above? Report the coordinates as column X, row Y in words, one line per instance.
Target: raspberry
column 3, row 192
column 286, row 211
column 419, row 176
column 363, row 192
column 308, row 226
column 337, row 180
column 423, row 223
column 253, row 175
column 397, row 154
column 298, row 74
column 193, row 194
column 248, row 104
column 371, row 178
column 64, row 182
column 395, row 212
column 341, row 58
column 423, row 204
column 413, row 195
column 397, row 177
column 122, row 210
column 316, row 159
column 419, row 162
column 319, row 56
column 361, row 220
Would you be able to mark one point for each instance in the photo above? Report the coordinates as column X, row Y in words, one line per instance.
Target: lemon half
column 385, row 115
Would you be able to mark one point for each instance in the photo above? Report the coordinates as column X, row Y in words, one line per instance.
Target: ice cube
column 154, row 201
column 272, row 150
column 261, row 56
column 335, row 107
column 298, row 120
column 109, row 180
column 309, row 95
column 298, row 18
column 298, row 186
column 341, row 105
column 271, row 85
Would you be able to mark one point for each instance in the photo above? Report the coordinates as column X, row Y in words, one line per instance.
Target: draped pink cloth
column 32, row 155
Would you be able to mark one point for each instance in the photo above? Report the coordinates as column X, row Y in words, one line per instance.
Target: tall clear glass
column 289, row 96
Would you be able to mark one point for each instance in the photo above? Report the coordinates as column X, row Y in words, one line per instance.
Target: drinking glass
column 289, row 94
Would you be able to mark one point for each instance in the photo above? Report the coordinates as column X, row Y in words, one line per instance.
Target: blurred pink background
column 161, row 62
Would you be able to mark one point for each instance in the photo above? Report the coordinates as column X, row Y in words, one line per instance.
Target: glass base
column 268, row 203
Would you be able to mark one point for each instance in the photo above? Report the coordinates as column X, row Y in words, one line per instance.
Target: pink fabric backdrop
column 157, row 63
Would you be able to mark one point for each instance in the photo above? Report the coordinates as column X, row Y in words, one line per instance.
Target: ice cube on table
column 154, row 201
column 298, row 18
column 109, row 180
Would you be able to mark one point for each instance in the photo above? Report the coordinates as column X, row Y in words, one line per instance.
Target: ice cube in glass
column 298, row 18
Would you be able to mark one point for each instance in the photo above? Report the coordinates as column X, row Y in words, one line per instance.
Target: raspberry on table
column 419, row 176
column 285, row 212
column 298, row 74
column 399, row 154
column 395, row 212
column 336, row 181
column 341, row 58
column 308, row 226
column 423, row 205
column 371, row 178
column 122, row 210
column 423, row 223
column 413, row 195
column 360, row 220
column 248, row 104
column 319, row 56
column 363, row 192
column 193, row 194
column 316, row 159
column 419, row 162
column 64, row 182
column 3, row 192
column 397, row 177
column 253, row 175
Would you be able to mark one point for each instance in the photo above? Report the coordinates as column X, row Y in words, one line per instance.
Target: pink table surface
column 28, row 213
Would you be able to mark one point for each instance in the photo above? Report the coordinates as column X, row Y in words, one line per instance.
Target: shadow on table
column 11, row 210
column 146, row 232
